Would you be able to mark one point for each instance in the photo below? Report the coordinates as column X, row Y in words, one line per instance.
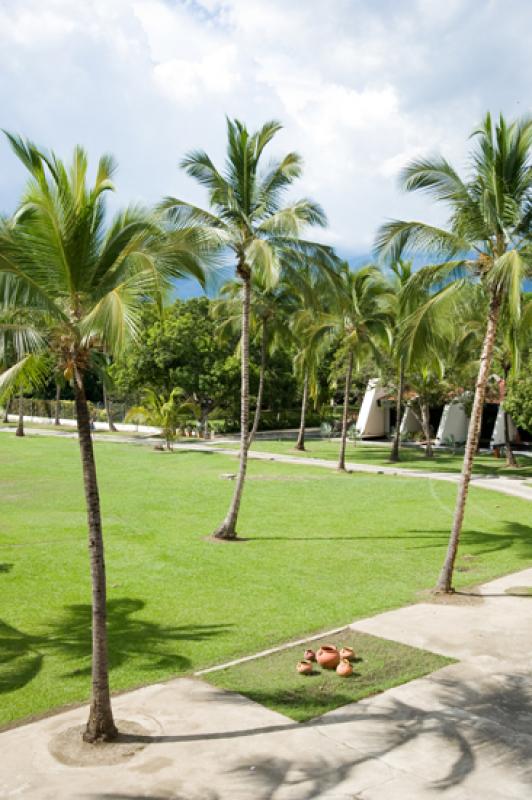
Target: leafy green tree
column 518, row 400
column 513, row 343
column 83, row 283
column 515, row 358
column 487, row 239
column 260, row 234
column 181, row 348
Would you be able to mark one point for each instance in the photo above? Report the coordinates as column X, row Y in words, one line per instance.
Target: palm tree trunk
column 227, row 530
column 508, row 450
column 300, row 445
column 260, row 391
column 6, row 410
column 348, row 374
column 20, row 427
column 100, row 725
column 394, row 455
column 204, row 423
column 107, row 404
column 57, row 420
column 446, row 575
column 425, row 420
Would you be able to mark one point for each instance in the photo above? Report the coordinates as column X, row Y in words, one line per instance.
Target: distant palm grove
column 88, row 312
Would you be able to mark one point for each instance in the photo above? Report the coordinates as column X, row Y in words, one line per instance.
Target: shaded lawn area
column 273, row 680
column 411, row 457
column 323, row 549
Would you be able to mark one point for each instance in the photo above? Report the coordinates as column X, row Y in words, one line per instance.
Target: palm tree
column 165, row 411
column 257, row 231
column 402, row 272
column 270, row 309
column 17, row 338
column 433, row 335
column 487, row 239
column 57, row 406
column 308, row 287
column 84, row 284
column 306, row 364
column 357, row 315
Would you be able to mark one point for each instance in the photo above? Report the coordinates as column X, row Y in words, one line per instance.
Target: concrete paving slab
column 462, row 733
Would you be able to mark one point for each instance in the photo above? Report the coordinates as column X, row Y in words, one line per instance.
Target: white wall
column 498, row 437
column 371, row 419
column 454, row 424
column 410, row 422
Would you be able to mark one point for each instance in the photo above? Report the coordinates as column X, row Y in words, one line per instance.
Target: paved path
column 516, row 487
column 462, row 733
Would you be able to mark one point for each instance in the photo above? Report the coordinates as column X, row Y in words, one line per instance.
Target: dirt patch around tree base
column 460, row 598
column 68, row 746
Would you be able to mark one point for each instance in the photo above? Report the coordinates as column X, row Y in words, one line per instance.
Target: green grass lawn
column 323, row 549
column 273, row 680
column 411, row 457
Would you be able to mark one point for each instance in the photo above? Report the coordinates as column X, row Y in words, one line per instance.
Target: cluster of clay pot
column 328, row 657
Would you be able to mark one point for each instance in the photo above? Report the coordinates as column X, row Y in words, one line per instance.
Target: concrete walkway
column 462, row 733
column 513, row 486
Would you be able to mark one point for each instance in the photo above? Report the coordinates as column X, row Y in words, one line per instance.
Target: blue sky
column 361, row 87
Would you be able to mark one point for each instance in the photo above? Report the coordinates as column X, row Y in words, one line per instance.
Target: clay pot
column 310, row 655
column 347, row 652
column 344, row 668
column 304, row 667
column 328, row 656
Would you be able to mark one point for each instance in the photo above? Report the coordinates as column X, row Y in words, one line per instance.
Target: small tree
column 162, row 411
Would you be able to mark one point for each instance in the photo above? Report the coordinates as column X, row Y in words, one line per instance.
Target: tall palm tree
column 270, row 310
column 308, row 287
column 433, row 337
column 84, row 284
column 487, row 239
column 257, row 231
column 306, row 364
column 357, row 315
column 401, row 274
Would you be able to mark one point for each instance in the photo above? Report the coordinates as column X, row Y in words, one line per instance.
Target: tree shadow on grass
column 148, row 644
column 515, row 536
column 5, row 568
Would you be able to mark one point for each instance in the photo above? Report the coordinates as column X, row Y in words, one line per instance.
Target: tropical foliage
column 487, row 241
column 76, row 287
column 252, row 226
column 84, row 310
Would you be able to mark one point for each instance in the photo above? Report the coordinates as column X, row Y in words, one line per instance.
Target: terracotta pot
column 344, row 668
column 310, row 655
column 328, row 656
column 304, row 667
column 347, row 652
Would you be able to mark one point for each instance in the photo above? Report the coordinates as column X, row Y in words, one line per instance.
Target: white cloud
column 361, row 88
